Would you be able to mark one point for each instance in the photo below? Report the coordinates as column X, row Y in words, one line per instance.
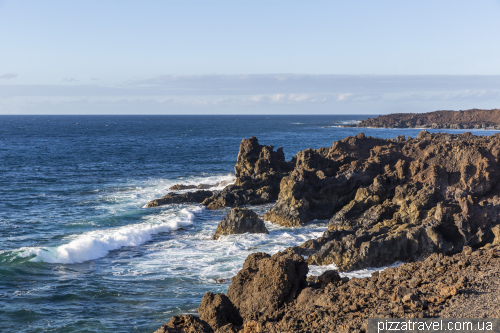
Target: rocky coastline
column 432, row 202
column 468, row 119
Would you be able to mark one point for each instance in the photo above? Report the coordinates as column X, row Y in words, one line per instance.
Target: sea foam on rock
column 240, row 221
column 258, row 170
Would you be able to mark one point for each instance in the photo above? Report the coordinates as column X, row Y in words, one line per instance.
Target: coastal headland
column 468, row 119
column 432, row 202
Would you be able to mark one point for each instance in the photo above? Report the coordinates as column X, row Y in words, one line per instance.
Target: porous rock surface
column 266, row 283
column 468, row 119
column 218, row 311
column 435, row 287
column 175, row 198
column 240, row 221
column 185, row 324
column 463, row 285
column 258, row 170
column 393, row 200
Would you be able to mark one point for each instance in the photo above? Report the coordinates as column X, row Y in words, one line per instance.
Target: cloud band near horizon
column 257, row 94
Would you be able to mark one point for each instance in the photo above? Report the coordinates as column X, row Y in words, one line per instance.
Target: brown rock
column 185, row 324
column 259, row 170
column 473, row 118
column 174, row 198
column 218, row 311
column 240, row 221
column 266, row 283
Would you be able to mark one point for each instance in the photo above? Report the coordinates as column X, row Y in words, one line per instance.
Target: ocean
column 78, row 250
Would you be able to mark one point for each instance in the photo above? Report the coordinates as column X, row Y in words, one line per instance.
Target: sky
column 248, row 57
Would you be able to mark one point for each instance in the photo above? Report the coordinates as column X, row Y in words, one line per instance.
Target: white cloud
column 8, row 76
column 343, row 96
column 277, row 98
column 277, row 93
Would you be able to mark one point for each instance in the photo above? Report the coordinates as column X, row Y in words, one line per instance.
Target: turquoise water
column 79, row 253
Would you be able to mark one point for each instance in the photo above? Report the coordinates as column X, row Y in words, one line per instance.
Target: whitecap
column 97, row 244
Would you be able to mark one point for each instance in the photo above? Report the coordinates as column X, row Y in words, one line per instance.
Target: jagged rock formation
column 395, row 199
column 240, row 221
column 326, row 179
column 173, row 198
column 264, row 285
column 218, row 311
column 439, row 286
column 469, row 119
column 414, row 290
column 259, row 170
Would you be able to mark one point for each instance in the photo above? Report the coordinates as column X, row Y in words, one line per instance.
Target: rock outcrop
column 439, row 286
column 175, row 198
column 259, row 170
column 394, row 199
column 468, row 119
column 218, row 311
column 240, row 221
column 326, row 179
column 429, row 288
column 185, row 324
column 266, row 283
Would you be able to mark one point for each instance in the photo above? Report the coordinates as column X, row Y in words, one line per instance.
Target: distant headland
column 468, row 119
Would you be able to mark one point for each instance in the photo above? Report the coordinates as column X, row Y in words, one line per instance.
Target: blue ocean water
column 79, row 253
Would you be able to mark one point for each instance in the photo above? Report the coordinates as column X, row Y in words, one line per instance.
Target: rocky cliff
column 390, row 200
column 468, row 119
column 465, row 285
column 258, row 170
column 432, row 201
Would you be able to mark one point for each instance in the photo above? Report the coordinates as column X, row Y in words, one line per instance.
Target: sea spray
column 97, row 244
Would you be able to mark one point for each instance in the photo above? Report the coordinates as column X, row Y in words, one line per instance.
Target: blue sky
column 140, row 57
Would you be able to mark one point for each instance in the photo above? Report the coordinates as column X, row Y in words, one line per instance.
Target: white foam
column 138, row 194
column 97, row 244
column 366, row 272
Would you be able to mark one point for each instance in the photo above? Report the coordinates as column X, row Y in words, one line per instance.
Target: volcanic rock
column 259, row 170
column 266, row 283
column 185, row 324
column 394, row 200
column 445, row 288
column 326, row 179
column 218, row 311
column 181, row 187
column 240, row 221
column 174, row 198
column 471, row 119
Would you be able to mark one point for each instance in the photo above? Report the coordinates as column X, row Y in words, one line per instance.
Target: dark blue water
column 79, row 253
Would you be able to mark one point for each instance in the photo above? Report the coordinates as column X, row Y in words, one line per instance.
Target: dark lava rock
column 240, row 221
column 259, row 170
column 266, row 283
column 181, row 187
column 218, row 311
column 185, row 324
column 473, row 119
column 326, row 179
column 173, row 198
column 394, row 200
